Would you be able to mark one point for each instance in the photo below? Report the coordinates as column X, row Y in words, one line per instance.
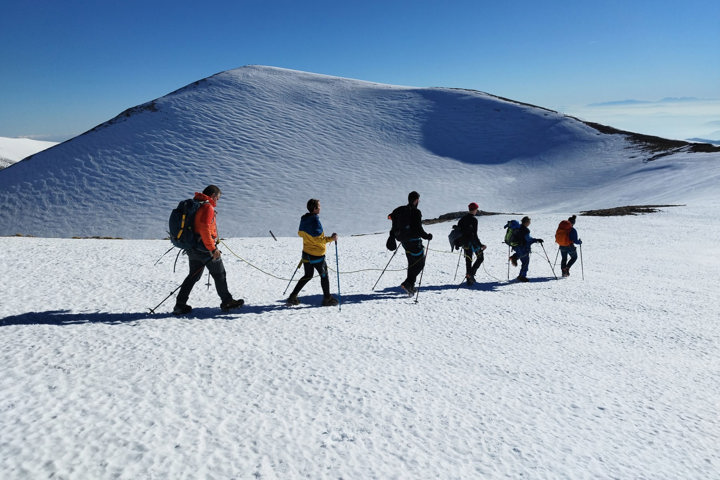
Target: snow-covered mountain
column 272, row 138
column 15, row 149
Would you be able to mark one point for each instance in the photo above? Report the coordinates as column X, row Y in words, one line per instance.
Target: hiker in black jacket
column 471, row 243
column 411, row 234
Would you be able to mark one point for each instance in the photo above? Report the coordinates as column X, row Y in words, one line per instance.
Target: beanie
column 473, row 206
column 572, row 219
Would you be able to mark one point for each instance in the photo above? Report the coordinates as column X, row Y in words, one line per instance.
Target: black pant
column 472, row 268
column 565, row 251
column 312, row 263
column 415, row 253
column 198, row 260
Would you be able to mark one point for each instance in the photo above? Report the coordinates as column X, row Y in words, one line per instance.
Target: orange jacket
column 204, row 224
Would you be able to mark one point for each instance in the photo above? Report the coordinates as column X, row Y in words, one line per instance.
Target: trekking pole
column 337, row 267
column 458, row 264
column 386, row 266
column 508, row 261
column 556, row 255
column 152, row 310
column 422, row 271
column 548, row 259
column 582, row 267
column 293, row 276
column 161, row 257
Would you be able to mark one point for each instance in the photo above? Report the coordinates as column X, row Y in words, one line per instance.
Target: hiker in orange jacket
column 206, row 254
column 567, row 237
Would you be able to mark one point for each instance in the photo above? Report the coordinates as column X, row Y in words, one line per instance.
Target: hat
column 473, row 206
column 412, row 196
column 572, row 219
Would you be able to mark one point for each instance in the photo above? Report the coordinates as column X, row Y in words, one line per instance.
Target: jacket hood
column 201, row 197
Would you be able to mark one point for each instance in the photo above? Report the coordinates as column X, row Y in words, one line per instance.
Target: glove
column 539, row 240
column 579, row 242
column 429, row 236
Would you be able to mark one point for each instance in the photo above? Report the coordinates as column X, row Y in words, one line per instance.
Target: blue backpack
column 181, row 224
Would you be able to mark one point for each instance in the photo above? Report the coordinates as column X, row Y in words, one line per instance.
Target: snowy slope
column 272, row 138
column 614, row 376
column 15, row 149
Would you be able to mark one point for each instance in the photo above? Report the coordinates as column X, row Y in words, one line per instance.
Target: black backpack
column 400, row 222
column 181, row 224
column 455, row 238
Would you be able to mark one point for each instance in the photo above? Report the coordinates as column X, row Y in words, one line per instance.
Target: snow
column 613, row 376
column 272, row 138
column 15, row 149
column 610, row 373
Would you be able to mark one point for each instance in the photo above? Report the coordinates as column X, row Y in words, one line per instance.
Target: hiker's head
column 525, row 221
column 473, row 206
column 413, row 197
column 212, row 191
column 572, row 219
column 313, row 204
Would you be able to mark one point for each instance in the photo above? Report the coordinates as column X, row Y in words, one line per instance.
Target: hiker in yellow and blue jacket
column 313, row 254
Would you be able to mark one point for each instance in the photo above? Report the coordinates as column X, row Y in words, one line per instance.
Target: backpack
column 455, row 238
column 400, row 222
column 181, row 224
column 512, row 235
column 562, row 235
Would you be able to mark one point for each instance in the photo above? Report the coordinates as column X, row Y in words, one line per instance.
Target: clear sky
column 72, row 64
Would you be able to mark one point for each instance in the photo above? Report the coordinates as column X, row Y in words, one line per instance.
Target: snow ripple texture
column 273, row 138
column 614, row 376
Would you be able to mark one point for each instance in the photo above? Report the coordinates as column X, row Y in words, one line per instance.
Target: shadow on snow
column 66, row 317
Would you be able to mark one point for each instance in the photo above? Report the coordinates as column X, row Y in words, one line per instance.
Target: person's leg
column 467, row 250
column 196, row 263
column 324, row 278
column 479, row 257
column 217, row 270
column 416, row 262
column 304, row 280
column 524, row 264
column 573, row 257
column 563, row 256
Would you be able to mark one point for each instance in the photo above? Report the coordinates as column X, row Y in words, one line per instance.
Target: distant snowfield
column 613, row 376
column 15, row 149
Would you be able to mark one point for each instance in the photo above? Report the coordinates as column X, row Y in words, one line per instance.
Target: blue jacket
column 311, row 231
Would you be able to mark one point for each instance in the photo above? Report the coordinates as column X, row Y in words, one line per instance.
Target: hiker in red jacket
column 206, row 254
column 567, row 237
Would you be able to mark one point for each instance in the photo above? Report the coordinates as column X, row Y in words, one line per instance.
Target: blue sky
column 70, row 65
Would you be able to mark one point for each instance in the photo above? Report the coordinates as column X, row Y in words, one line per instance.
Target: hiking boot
column 292, row 300
column 329, row 301
column 181, row 310
column 513, row 260
column 522, row 278
column 231, row 304
column 410, row 291
column 565, row 272
column 470, row 280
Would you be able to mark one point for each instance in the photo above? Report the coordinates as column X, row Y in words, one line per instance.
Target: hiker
column 567, row 237
column 205, row 253
column 522, row 249
column 313, row 253
column 471, row 244
column 408, row 229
